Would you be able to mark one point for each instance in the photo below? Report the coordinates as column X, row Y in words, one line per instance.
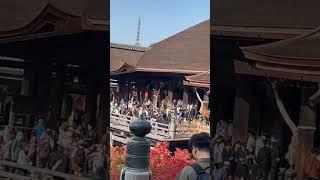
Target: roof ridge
column 128, row 47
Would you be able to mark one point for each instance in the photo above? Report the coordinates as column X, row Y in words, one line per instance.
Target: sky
column 159, row 18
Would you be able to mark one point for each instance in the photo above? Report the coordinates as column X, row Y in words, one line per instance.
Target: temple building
column 60, row 47
column 266, row 71
column 158, row 72
column 176, row 68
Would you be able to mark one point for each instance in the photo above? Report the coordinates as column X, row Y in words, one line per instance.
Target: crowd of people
column 165, row 113
column 260, row 157
column 71, row 149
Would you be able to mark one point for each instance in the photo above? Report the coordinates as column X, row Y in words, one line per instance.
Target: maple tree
column 164, row 164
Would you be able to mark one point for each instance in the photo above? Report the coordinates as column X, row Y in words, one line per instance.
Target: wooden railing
column 35, row 173
column 124, row 121
column 17, row 127
column 167, row 131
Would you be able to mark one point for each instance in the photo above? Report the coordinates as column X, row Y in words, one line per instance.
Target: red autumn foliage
column 164, row 164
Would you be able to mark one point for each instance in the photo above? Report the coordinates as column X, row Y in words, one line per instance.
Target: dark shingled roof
column 16, row 14
column 187, row 52
column 266, row 13
column 121, row 54
column 299, row 51
column 264, row 19
column 299, row 55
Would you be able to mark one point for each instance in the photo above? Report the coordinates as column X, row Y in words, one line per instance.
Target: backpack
column 201, row 173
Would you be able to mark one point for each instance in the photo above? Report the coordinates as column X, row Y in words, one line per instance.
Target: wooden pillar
column 139, row 88
column 56, row 97
column 120, row 84
column 91, row 104
column 102, row 85
column 102, row 123
column 155, row 96
column 241, row 111
column 185, row 96
column 42, row 87
column 143, row 91
column 43, row 80
column 255, row 110
column 127, row 89
column 170, row 94
column 25, row 83
column 306, row 129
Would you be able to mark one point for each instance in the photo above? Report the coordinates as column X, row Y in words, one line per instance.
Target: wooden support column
column 155, row 96
column 241, row 111
column 102, row 122
column 56, row 97
column 101, row 55
column 127, row 89
column 139, row 87
column 185, row 96
column 42, row 87
column 306, row 129
column 143, row 91
column 121, row 84
column 255, row 110
column 170, row 94
column 43, row 80
column 91, row 100
column 26, row 82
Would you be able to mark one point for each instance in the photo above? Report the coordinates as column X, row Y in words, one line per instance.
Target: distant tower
column 138, row 35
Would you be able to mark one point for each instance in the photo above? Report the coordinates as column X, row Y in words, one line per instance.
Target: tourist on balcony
column 43, row 150
column 263, row 159
column 274, row 157
column 259, row 144
column 250, row 142
column 17, row 145
column 39, row 128
column 65, row 135
column 80, row 161
column 24, row 158
column 6, row 134
column 90, row 133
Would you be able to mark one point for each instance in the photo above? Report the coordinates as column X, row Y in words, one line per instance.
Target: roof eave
column 96, row 25
column 257, row 32
column 194, row 84
column 245, row 68
column 280, row 60
column 178, row 71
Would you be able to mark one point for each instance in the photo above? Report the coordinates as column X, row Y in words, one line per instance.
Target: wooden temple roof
column 124, row 58
column 198, row 80
column 278, row 19
column 38, row 16
column 296, row 58
column 187, row 52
